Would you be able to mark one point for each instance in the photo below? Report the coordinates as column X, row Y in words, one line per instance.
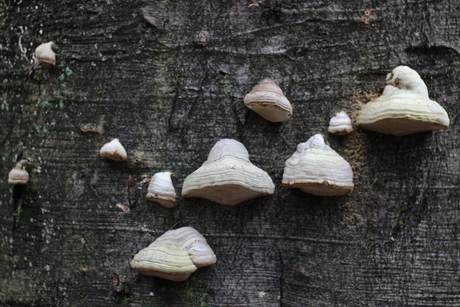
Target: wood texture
column 132, row 70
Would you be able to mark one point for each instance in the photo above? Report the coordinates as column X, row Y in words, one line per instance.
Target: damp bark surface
column 168, row 79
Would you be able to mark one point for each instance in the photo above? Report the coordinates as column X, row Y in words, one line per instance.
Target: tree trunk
column 168, row 78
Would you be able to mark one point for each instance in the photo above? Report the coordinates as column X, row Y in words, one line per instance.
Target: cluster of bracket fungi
column 228, row 177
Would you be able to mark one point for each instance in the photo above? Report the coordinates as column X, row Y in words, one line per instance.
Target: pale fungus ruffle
column 340, row 124
column 114, row 151
column 174, row 255
column 228, row 177
column 45, row 55
column 18, row 175
column 161, row 190
column 267, row 99
column 404, row 107
column 317, row 169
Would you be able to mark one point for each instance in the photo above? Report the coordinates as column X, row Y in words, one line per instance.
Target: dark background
column 132, row 70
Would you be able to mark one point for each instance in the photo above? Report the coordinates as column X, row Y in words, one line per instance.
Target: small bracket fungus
column 404, row 107
column 228, row 177
column 161, row 190
column 18, row 175
column 46, row 58
column 340, row 124
column 317, row 169
column 202, row 38
column 114, row 151
column 267, row 99
column 175, row 255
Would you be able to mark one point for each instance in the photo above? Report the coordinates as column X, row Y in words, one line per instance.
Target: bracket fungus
column 46, row 57
column 174, row 255
column 340, row 124
column 161, row 190
column 228, row 177
column 202, row 38
column 317, row 169
column 114, row 151
column 267, row 99
column 404, row 107
column 18, row 175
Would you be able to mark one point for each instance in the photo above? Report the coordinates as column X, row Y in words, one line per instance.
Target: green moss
column 193, row 293
column 19, row 210
column 225, row 84
column 126, row 300
column 226, row 88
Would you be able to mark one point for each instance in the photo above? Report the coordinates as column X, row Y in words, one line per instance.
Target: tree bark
column 168, row 78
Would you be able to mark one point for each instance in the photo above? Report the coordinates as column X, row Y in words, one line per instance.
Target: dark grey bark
column 132, row 70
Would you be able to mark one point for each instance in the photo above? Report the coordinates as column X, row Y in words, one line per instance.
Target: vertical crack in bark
column 17, row 195
column 281, row 273
column 133, row 203
column 193, row 105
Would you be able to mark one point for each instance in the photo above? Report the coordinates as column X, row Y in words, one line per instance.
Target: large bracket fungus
column 174, row 255
column 317, row 169
column 404, row 107
column 228, row 177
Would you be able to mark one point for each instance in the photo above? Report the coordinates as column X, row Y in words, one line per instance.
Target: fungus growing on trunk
column 404, row 107
column 114, row 151
column 228, row 177
column 174, row 255
column 45, row 55
column 161, row 190
column 267, row 99
column 317, row 169
column 18, row 175
column 340, row 124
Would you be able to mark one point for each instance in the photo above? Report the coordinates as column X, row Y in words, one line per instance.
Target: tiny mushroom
column 228, row 177
column 267, row 99
column 340, row 124
column 18, row 175
column 404, row 107
column 161, row 190
column 45, row 55
column 202, row 37
column 114, row 151
column 174, row 255
column 317, row 169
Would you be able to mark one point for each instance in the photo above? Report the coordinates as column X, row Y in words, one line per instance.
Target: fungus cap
column 340, row 124
column 18, row 175
column 404, row 107
column 114, row 151
column 317, row 169
column 161, row 190
column 228, row 177
column 267, row 99
column 45, row 55
column 174, row 255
